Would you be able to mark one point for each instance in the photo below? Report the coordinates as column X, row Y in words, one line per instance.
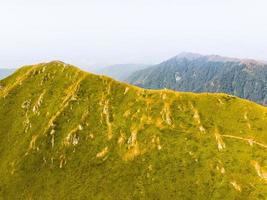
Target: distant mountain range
column 197, row 73
column 68, row 134
column 121, row 71
column 4, row 72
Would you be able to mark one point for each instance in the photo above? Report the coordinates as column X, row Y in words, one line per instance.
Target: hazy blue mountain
column 197, row 73
column 5, row 72
column 120, row 71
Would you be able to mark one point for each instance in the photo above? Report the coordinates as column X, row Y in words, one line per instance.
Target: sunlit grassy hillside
column 68, row 134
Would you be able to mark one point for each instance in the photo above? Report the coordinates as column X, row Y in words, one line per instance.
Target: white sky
column 104, row 32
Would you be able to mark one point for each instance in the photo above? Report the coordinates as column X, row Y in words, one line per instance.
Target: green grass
column 90, row 137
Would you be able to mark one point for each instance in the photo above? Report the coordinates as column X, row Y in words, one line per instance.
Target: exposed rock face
column 196, row 73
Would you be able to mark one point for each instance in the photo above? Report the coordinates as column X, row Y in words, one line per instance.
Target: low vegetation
column 68, row 134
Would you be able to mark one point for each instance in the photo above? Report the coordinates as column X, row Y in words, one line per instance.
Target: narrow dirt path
column 249, row 140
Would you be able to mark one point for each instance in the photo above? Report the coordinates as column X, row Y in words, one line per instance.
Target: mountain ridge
column 65, row 130
column 218, row 58
column 4, row 72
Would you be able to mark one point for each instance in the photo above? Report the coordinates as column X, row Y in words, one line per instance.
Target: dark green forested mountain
column 197, row 73
column 68, row 134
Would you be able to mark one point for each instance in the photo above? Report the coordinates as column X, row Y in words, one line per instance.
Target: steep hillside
column 5, row 72
column 196, row 73
column 67, row 134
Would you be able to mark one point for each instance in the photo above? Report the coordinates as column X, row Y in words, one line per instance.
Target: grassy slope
column 67, row 134
column 4, row 72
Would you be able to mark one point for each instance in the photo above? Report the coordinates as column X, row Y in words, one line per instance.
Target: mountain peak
column 213, row 58
column 57, row 62
column 216, row 58
column 189, row 55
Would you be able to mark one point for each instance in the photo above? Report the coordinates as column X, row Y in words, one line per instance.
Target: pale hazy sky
column 103, row 32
